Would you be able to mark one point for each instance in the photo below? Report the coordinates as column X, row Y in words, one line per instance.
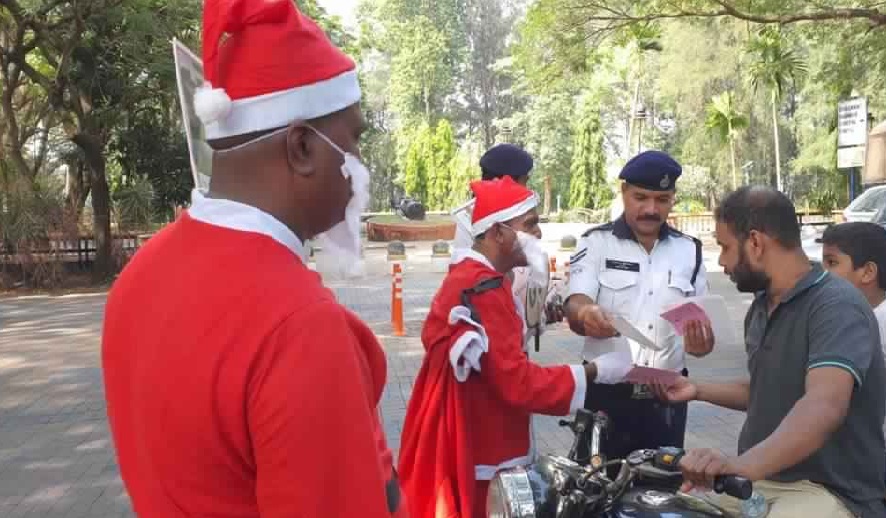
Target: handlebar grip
column 734, row 486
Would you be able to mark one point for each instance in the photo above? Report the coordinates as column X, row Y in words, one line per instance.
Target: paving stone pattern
column 56, row 459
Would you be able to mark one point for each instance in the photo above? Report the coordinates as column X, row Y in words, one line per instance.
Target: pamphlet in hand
column 710, row 309
column 649, row 376
column 628, row 330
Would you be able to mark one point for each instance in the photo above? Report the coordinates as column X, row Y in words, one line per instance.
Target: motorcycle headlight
column 511, row 495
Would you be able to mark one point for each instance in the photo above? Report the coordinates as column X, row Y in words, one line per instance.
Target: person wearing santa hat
column 236, row 385
column 470, row 411
column 501, row 161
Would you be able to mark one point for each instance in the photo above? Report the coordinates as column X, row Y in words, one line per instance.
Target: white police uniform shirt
column 615, row 270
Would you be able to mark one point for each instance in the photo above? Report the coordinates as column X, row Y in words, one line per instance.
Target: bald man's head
column 761, row 209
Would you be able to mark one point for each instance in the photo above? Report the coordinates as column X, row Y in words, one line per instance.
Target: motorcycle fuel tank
column 654, row 503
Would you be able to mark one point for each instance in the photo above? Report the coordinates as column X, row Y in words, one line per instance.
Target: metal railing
column 703, row 223
column 80, row 250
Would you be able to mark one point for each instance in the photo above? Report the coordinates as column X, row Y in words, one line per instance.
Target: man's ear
column 496, row 232
column 870, row 273
column 756, row 244
column 299, row 149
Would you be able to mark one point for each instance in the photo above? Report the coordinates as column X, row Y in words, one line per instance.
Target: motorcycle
column 644, row 485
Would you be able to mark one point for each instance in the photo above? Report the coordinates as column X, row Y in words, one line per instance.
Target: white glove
column 613, row 367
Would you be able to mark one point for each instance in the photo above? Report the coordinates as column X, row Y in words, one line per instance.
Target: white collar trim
column 245, row 218
column 470, row 253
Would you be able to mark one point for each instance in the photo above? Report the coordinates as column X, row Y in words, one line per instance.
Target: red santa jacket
column 470, row 411
column 236, row 385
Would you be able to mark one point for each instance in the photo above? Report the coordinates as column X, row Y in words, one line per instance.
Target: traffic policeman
column 633, row 268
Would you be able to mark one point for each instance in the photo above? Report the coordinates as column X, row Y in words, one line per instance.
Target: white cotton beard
column 342, row 243
column 535, row 256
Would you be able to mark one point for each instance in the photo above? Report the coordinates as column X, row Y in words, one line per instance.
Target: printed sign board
column 852, row 122
column 189, row 76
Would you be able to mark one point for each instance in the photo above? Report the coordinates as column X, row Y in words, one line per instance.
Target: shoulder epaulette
column 698, row 250
column 598, row 228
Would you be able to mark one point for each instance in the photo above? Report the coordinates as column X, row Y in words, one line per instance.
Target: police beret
column 505, row 160
column 652, row 170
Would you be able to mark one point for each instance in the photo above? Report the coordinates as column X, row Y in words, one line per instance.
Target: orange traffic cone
column 397, row 301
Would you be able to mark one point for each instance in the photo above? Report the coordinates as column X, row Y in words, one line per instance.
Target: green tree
column 776, row 65
column 331, row 25
column 443, row 152
column 418, row 162
column 74, row 54
column 425, row 45
column 603, row 18
column 724, row 119
column 420, row 79
column 540, row 130
column 486, row 86
column 588, row 187
column 465, row 169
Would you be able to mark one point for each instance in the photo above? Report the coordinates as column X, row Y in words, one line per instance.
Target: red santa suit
column 236, row 385
column 470, row 411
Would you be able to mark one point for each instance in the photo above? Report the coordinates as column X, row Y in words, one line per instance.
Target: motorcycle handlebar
column 734, row 486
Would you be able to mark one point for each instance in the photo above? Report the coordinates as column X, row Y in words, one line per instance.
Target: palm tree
column 725, row 120
column 775, row 65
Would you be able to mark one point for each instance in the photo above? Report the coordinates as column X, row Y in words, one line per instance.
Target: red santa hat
column 265, row 65
column 498, row 201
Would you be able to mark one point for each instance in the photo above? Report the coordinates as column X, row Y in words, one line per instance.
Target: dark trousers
column 634, row 424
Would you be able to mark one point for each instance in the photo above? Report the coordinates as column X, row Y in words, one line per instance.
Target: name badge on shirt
column 624, row 266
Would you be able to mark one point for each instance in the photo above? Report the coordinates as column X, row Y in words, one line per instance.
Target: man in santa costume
column 236, row 384
column 501, row 161
column 470, row 411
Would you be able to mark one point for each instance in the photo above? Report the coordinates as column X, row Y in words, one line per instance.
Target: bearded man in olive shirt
column 813, row 441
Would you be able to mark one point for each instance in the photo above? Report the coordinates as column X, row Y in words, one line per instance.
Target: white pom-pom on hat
column 211, row 104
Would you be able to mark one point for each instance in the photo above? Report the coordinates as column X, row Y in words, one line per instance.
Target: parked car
column 812, row 235
column 865, row 207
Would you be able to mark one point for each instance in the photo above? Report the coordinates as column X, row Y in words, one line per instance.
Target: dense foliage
column 737, row 91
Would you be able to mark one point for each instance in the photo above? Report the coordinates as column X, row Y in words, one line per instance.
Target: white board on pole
column 852, row 122
column 850, row 157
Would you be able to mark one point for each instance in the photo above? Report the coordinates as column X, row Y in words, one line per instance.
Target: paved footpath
column 56, row 459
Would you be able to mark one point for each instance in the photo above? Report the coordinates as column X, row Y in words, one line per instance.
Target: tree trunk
column 778, row 179
column 732, row 153
column 13, row 145
column 547, row 194
column 93, row 149
column 635, row 105
column 78, row 189
column 632, row 119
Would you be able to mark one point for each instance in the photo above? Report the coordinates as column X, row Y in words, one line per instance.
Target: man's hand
column 611, row 368
column 554, row 312
column 698, row 339
column 680, row 391
column 700, row 466
column 596, row 323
